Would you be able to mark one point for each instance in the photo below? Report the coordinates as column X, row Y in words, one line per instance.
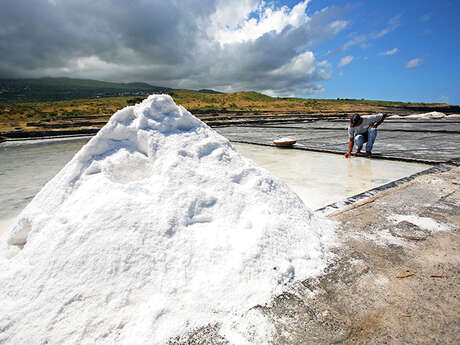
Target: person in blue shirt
column 363, row 129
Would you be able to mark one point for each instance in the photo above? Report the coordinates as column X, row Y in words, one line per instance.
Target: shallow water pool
column 321, row 179
column 318, row 178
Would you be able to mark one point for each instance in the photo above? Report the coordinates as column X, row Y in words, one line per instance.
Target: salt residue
column 424, row 223
column 155, row 227
column 430, row 115
column 284, row 139
column 4, row 224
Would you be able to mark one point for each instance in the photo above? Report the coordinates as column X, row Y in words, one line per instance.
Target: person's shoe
column 368, row 153
column 357, row 152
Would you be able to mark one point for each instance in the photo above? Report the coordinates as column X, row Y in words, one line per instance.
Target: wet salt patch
column 424, row 223
column 381, row 237
column 384, row 237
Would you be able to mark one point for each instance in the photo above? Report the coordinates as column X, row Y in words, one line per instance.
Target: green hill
column 54, row 89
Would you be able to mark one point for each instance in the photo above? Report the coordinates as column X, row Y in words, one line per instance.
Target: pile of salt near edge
column 156, row 227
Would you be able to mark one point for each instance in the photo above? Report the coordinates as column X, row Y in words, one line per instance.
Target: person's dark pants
column 368, row 137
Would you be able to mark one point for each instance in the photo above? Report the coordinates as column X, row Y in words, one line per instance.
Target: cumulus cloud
column 390, row 52
column 345, row 60
column 230, row 30
column 242, row 45
column 414, row 63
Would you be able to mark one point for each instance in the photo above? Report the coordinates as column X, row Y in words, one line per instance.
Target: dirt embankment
column 214, row 109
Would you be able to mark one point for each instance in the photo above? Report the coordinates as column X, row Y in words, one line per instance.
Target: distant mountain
column 209, row 91
column 145, row 85
column 53, row 89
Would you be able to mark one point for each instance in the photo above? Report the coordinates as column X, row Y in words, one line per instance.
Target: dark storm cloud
column 39, row 33
column 163, row 42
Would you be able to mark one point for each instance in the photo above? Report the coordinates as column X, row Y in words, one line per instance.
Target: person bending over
column 363, row 129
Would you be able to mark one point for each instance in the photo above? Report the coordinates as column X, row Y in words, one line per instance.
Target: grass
column 23, row 115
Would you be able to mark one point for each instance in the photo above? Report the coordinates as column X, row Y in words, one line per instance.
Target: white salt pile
column 157, row 226
column 428, row 116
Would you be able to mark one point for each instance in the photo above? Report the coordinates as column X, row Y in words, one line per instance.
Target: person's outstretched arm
column 375, row 125
column 350, row 147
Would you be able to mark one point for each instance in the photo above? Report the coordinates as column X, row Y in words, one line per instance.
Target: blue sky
column 385, row 50
column 425, row 30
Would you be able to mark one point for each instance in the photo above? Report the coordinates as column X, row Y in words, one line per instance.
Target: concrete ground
column 395, row 275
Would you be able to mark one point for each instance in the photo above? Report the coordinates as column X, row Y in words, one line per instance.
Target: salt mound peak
column 157, row 226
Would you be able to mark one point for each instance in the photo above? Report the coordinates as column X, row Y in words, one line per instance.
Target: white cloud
column 338, row 25
column 393, row 23
column 345, row 60
column 301, row 64
column 218, row 44
column 363, row 39
column 269, row 19
column 390, row 52
column 230, row 13
column 414, row 63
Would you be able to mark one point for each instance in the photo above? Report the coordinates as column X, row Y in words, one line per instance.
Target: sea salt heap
column 157, row 226
column 430, row 115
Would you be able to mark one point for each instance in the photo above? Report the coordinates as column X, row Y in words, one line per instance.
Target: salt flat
column 321, row 179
